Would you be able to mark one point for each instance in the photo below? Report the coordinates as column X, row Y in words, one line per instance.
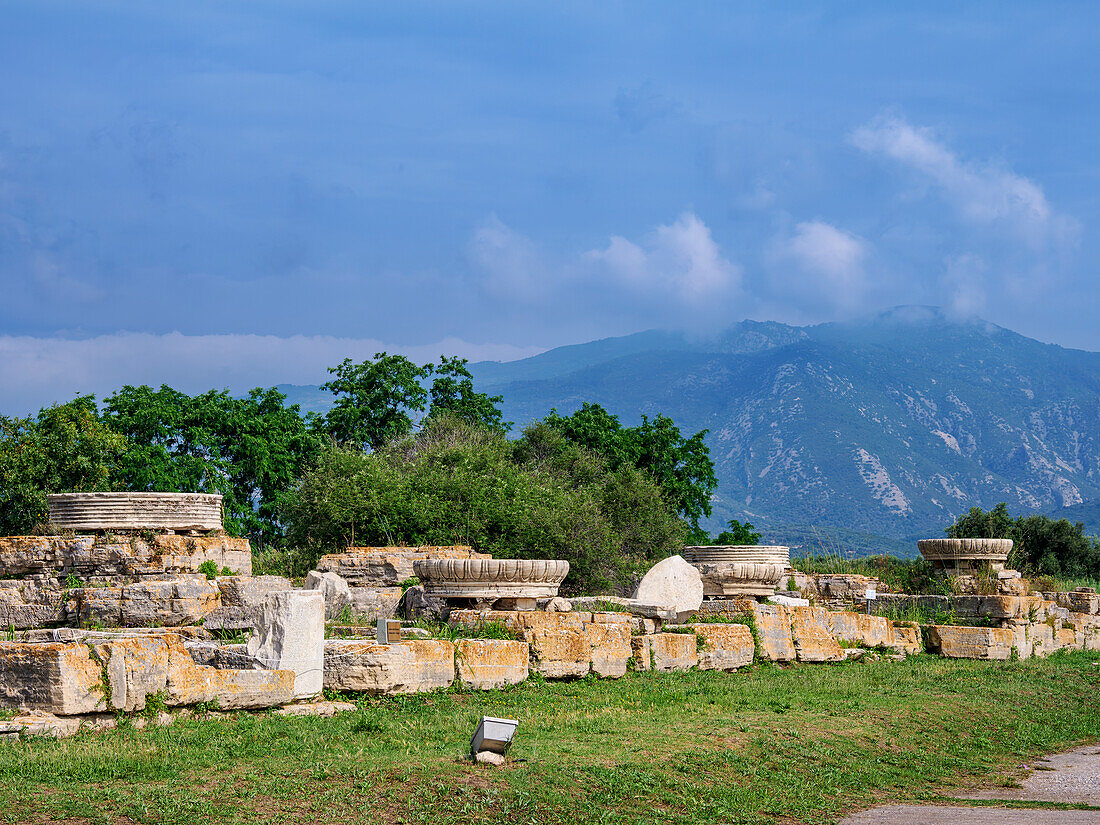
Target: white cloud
column 820, row 266
column 509, row 261
column 983, row 194
column 38, row 371
column 680, row 260
column 964, row 285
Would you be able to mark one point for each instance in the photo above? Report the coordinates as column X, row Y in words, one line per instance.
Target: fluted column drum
column 91, row 512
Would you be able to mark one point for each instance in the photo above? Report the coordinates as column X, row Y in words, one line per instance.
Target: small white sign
column 870, row 595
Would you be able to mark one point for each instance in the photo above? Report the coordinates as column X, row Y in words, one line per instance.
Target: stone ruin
column 731, row 571
column 104, row 620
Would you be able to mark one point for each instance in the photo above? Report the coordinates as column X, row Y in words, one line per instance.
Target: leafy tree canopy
column 377, row 400
column 66, row 448
column 1041, row 545
column 453, row 394
column 456, row 482
column 737, row 533
column 251, row 450
column 681, row 466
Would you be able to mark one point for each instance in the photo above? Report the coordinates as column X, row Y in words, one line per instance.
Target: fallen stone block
column 725, row 646
column 323, row 709
column 190, row 684
column 291, row 636
column 961, row 642
column 334, row 589
column 773, row 632
column 672, row 583
column 404, row 667
column 810, row 633
column 905, row 638
column 369, row 604
column 484, row 664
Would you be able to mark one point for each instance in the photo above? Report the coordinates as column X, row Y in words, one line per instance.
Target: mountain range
column 852, row 436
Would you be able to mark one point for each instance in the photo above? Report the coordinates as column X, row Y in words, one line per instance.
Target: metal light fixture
column 493, row 735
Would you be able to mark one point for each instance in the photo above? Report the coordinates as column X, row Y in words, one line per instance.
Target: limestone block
column 905, row 637
column 773, row 631
column 249, row 591
column 56, row 677
column 559, row 647
column 135, row 668
column 672, row 583
column 189, row 683
column 641, row 653
column 608, row 644
column 387, row 566
column 725, row 609
column 404, row 667
column 28, row 604
column 145, row 604
column 242, row 599
column 484, row 664
column 725, row 646
column 860, row 629
column 369, row 604
column 291, row 636
column 959, row 642
column 334, row 589
column 1066, row 638
column 671, row 651
column 813, row 641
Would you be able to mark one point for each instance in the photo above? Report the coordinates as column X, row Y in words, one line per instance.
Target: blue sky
column 218, row 194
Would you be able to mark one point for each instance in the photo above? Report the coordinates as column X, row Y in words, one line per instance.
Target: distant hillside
column 1087, row 513
column 888, row 426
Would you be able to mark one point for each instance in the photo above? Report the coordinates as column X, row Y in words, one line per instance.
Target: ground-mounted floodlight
column 493, row 735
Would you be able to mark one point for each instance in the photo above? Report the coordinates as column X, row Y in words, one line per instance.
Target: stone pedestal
column 483, row 582
column 91, row 512
column 740, row 570
column 961, row 557
column 290, row 635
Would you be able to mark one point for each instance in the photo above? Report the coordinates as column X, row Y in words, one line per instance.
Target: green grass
column 770, row 744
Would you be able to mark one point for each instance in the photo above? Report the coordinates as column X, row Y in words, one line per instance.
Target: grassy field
column 768, row 744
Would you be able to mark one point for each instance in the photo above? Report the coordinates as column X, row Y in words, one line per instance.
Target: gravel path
column 1072, row 778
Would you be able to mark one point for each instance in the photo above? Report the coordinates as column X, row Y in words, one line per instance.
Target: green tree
column 456, row 482
column 64, row 449
column 681, row 466
column 1040, row 545
column 374, row 400
column 452, row 393
column 737, row 533
column 250, row 450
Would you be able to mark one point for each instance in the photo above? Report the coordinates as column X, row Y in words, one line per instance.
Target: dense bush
column 455, row 483
column 1041, row 545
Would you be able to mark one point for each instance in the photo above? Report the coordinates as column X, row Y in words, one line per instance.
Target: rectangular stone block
column 960, row 642
column 608, row 644
column 812, row 640
column 369, row 604
column 905, row 637
column 290, row 635
column 666, row 652
column 725, row 646
column 1067, row 638
column 483, row 664
column 773, row 631
column 167, row 603
column 405, row 667
column 860, row 629
column 189, row 684
column 55, row 677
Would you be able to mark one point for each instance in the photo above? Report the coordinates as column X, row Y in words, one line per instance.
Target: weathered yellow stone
column 608, row 645
column 960, row 642
column 812, row 640
column 55, row 677
column 665, row 651
column 859, row 629
column 905, row 637
column 725, row 646
column 773, row 632
column 1066, row 639
column 405, row 667
column 491, row 663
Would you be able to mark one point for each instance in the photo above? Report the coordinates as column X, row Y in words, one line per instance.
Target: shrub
column 455, row 483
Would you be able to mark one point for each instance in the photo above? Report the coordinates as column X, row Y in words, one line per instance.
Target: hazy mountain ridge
column 890, row 425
